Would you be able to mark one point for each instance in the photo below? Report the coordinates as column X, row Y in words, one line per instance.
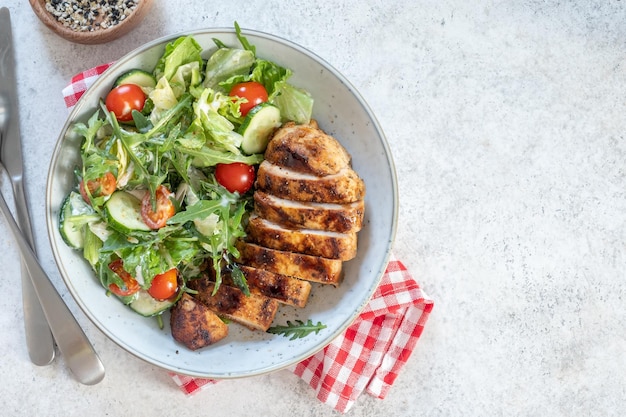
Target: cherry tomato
column 252, row 91
column 235, row 177
column 123, row 99
column 164, row 208
column 131, row 284
column 164, row 285
column 102, row 186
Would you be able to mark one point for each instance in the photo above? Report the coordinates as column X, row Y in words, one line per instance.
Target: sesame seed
column 90, row 15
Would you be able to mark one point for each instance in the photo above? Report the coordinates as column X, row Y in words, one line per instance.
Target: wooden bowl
column 98, row 35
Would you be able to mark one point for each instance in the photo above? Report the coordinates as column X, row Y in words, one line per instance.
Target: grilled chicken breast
column 306, row 267
column 285, row 289
column 306, row 149
column 255, row 311
column 308, row 208
column 343, row 187
column 340, row 218
column 195, row 325
column 308, row 241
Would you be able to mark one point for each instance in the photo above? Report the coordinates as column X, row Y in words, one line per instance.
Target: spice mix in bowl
column 91, row 21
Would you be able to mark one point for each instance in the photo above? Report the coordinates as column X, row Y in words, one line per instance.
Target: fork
column 72, row 342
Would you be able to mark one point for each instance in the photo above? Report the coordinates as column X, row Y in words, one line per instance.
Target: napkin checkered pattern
column 80, row 83
column 369, row 354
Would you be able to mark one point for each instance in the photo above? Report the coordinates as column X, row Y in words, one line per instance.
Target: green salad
column 167, row 169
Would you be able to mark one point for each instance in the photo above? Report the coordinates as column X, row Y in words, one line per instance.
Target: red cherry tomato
column 131, row 284
column 155, row 219
column 164, row 285
column 102, row 186
column 235, row 177
column 252, row 91
column 123, row 99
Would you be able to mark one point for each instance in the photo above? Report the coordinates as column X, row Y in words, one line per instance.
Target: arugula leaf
column 171, row 115
column 222, row 241
column 297, row 330
column 219, row 43
column 216, row 222
column 89, row 131
column 200, row 210
column 142, row 123
column 242, row 39
column 239, row 280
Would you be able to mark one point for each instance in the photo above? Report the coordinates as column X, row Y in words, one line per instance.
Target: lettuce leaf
column 227, row 64
column 294, row 103
column 182, row 51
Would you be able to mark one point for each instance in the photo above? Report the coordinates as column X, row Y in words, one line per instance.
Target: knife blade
column 39, row 340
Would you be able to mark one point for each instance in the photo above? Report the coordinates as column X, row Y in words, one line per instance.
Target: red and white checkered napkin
column 369, row 355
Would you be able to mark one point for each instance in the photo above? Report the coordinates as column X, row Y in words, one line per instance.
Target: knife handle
column 39, row 340
column 73, row 344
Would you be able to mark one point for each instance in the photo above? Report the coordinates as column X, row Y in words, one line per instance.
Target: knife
column 39, row 340
column 72, row 342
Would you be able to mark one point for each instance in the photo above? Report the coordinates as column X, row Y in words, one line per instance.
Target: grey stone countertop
column 506, row 121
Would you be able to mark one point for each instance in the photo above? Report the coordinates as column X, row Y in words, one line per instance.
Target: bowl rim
column 79, row 107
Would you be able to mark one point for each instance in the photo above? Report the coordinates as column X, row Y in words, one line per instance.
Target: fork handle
column 39, row 340
column 73, row 344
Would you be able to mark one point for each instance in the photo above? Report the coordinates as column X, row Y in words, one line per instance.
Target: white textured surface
column 506, row 120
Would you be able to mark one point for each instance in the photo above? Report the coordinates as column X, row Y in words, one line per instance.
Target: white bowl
column 342, row 112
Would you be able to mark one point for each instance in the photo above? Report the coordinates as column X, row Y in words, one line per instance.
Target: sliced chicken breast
column 283, row 288
column 255, row 311
column 306, row 267
column 343, row 187
column 308, row 241
column 333, row 217
column 306, row 149
column 195, row 325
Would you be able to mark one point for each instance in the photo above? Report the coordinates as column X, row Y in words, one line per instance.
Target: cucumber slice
column 124, row 212
column 257, row 127
column 71, row 231
column 148, row 306
column 138, row 77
